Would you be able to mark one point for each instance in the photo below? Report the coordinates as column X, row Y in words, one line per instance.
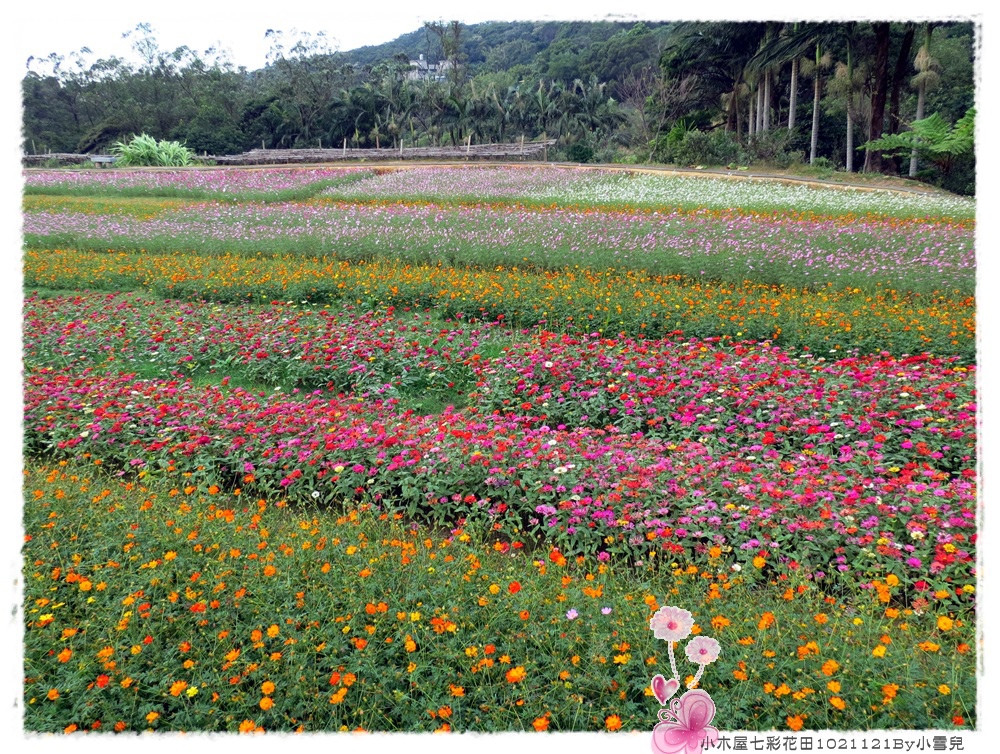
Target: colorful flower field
column 392, row 459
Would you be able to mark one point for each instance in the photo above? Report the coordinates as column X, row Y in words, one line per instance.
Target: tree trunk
column 899, row 73
column 751, row 123
column 873, row 158
column 815, row 125
column 793, row 94
column 767, row 101
column 921, row 95
column 760, row 108
column 850, row 140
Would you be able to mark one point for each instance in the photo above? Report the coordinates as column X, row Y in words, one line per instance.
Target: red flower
column 514, row 587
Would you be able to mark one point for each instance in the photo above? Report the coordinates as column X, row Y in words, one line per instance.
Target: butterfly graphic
column 684, row 726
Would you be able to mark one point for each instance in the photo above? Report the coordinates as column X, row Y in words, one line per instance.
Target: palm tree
column 926, row 77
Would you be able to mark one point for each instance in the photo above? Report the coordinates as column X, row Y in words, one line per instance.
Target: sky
column 63, row 27
column 240, row 28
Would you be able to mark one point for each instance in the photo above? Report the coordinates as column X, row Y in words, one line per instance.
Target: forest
column 694, row 93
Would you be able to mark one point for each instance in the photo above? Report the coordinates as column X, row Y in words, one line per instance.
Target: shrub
column 144, row 150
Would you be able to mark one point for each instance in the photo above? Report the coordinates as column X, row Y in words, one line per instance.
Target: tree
column 926, row 77
column 873, row 159
column 933, row 138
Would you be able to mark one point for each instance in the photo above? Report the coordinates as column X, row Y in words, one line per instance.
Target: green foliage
column 145, row 151
column 933, row 138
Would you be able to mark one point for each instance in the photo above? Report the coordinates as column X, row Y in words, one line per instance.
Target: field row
column 604, row 446
column 636, row 303
column 156, row 608
column 530, row 185
column 733, row 247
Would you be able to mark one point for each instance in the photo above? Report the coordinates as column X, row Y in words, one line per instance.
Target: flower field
column 379, row 456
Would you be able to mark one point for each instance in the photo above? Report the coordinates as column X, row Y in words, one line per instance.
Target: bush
column 772, row 148
column 145, row 151
column 712, row 148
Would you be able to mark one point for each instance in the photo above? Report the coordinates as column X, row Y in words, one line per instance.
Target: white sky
column 59, row 26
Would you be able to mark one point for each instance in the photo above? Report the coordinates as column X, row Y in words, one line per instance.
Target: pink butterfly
column 685, row 725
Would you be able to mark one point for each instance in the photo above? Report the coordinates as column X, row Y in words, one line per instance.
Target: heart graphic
column 664, row 689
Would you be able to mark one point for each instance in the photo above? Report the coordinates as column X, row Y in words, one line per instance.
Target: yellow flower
column 834, row 686
column 152, row 716
column 892, row 580
column 945, row 623
column 943, row 689
column 192, row 691
column 879, row 651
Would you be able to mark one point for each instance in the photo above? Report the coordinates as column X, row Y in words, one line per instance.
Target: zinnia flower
column 671, row 623
column 702, row 650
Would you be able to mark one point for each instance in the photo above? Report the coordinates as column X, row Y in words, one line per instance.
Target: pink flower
column 702, row 650
column 671, row 623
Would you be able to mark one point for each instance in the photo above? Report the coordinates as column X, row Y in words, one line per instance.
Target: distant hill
column 562, row 50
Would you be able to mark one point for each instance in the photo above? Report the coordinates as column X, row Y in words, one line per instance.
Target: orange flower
column 820, row 618
column 177, row 687
column 830, row 667
column 719, row 622
column 152, row 716
column 248, row 726
column 516, row 674
column 266, row 703
column 524, row 615
column 834, row 686
column 53, row 695
column 456, row 690
column 542, row 723
column 360, row 643
column 837, row 702
column 945, row 623
column 766, row 621
column 65, row 654
column 795, row 722
column 613, row 722
column 444, row 711
column 929, row 646
column 267, row 688
column 270, row 570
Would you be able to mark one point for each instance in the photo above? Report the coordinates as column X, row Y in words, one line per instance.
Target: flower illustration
column 702, row 650
column 671, row 623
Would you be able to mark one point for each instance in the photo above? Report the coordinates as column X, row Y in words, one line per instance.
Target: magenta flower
column 702, row 650
column 671, row 623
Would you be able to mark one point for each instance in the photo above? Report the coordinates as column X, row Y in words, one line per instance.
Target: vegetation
column 426, row 449
column 692, row 93
column 145, row 151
